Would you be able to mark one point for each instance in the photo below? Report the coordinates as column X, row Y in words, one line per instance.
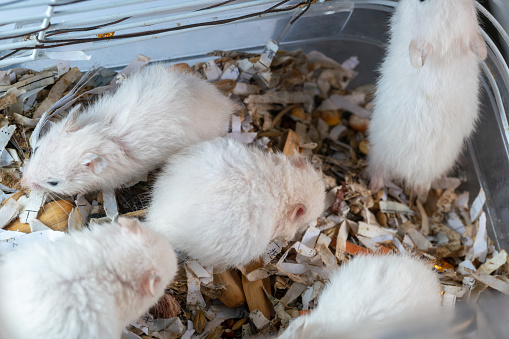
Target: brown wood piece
column 291, row 143
column 253, row 290
column 233, row 295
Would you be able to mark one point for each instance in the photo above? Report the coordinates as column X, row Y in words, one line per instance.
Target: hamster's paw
column 377, row 182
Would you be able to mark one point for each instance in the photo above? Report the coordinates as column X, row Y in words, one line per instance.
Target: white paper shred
column 419, row 240
column 68, row 55
column 301, row 249
column 493, row 282
column 110, row 204
column 8, row 212
column 481, row 240
column 494, row 263
column 194, row 296
column 336, row 101
column 399, row 245
column 394, row 207
column 458, row 291
column 258, row 319
column 198, row 269
column 232, row 73
column 36, row 225
column 465, row 264
column 32, row 206
column 373, row 231
column 84, row 207
column 448, row 302
column 454, row 222
column 173, row 327
column 295, row 290
column 72, row 226
column 272, row 250
column 189, row 332
column 477, row 206
column 6, row 133
column 63, row 67
column 212, row 71
column 261, row 66
column 9, row 240
column 351, row 63
column 311, row 293
column 314, row 56
column 137, row 64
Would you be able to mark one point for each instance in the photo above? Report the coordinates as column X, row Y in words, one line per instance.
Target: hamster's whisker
column 61, row 208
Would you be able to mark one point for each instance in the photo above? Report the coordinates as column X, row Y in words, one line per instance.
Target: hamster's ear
column 298, row 160
column 130, row 225
column 478, row 46
column 150, row 282
column 419, row 51
column 297, row 211
column 70, row 120
column 95, row 162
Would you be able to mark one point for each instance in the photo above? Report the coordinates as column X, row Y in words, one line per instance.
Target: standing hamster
column 427, row 97
column 370, row 293
column 90, row 284
column 222, row 202
column 122, row 136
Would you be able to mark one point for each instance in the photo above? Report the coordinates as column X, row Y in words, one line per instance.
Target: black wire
column 82, row 29
column 25, row 34
column 67, row 42
column 12, row 2
column 159, row 31
column 216, row 5
column 9, row 54
column 302, row 13
column 67, row 3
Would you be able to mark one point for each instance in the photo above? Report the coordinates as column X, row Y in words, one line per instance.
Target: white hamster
column 371, row 293
column 427, row 97
column 89, row 284
column 122, row 136
column 222, row 202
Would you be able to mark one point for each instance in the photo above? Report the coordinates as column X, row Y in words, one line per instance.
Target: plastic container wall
column 341, row 29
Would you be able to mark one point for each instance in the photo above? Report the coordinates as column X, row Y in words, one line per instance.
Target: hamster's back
column 45, row 293
column 219, row 190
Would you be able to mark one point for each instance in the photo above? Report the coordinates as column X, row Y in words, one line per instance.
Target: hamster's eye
column 422, row 0
column 35, row 149
column 52, row 183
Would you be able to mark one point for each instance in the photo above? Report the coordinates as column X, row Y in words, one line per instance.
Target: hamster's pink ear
column 130, row 225
column 95, row 162
column 70, row 121
column 297, row 211
column 419, row 51
column 298, row 160
column 478, row 47
column 150, row 282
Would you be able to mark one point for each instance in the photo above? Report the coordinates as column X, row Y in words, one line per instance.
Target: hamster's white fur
column 122, row 136
column 222, row 202
column 90, row 284
column 370, row 293
column 426, row 103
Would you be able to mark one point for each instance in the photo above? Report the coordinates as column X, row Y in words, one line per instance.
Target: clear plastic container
column 341, row 29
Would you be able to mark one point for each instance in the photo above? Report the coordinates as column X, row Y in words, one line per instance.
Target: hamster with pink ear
column 427, row 98
column 122, row 136
column 222, row 202
column 89, row 284
column 369, row 294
